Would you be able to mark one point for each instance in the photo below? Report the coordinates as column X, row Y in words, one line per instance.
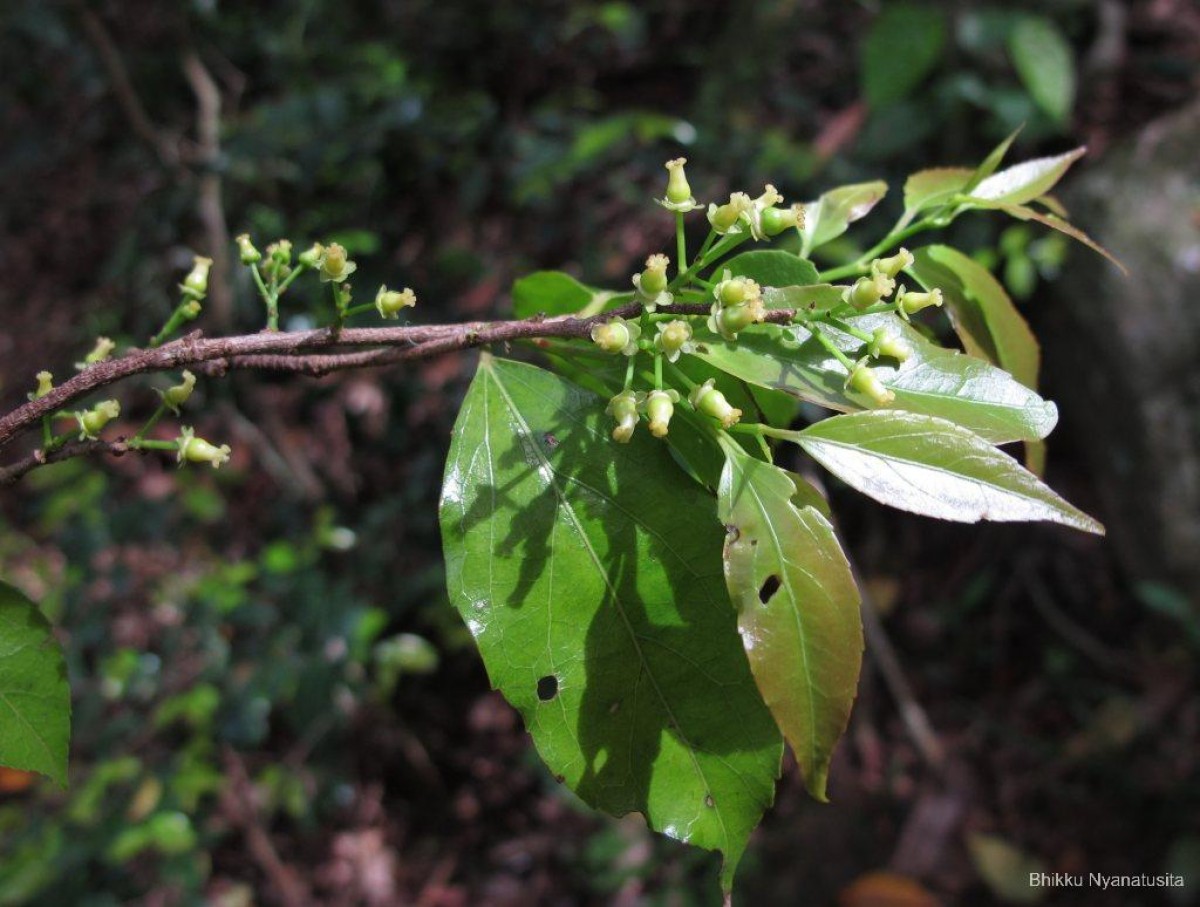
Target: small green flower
column 733, row 216
column 866, row 381
column 886, row 341
column 624, row 409
column 311, row 257
column 391, row 302
column 909, row 303
column 195, row 285
column 769, row 199
column 197, row 450
column 732, row 291
column 651, row 284
column 246, row 251
column 679, row 193
column 660, row 406
column 729, row 320
column 893, row 265
column 93, row 420
column 177, row 395
column 869, row 290
column 334, row 264
column 100, row 352
column 775, row 220
column 674, row 338
column 617, row 336
column 709, row 401
column 45, row 385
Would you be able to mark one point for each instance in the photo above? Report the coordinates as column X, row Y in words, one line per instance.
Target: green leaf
column 797, row 608
column 1025, row 181
column 35, row 699
column 990, row 163
column 903, row 46
column 590, row 574
column 556, row 293
column 935, row 468
column 818, row 297
column 983, row 316
column 831, row 215
column 1046, row 64
column 772, row 268
column 936, row 381
column 932, row 188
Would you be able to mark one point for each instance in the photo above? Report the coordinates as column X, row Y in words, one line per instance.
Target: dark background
column 274, row 702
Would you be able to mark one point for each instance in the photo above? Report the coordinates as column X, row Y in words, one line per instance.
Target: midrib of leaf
column 643, row 663
column 33, row 730
column 787, row 584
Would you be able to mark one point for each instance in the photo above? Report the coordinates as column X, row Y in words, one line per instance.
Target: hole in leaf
column 709, row 801
column 547, row 688
column 769, row 588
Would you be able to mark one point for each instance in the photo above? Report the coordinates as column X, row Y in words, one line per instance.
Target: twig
column 315, row 352
column 10, row 474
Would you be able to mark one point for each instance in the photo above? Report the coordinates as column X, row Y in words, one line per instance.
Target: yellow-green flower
column 335, row 265
column 679, row 193
column 391, row 302
column 197, row 450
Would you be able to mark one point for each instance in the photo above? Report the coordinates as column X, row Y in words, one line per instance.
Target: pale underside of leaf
column 932, row 467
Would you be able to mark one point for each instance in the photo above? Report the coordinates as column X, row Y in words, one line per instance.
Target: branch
column 10, row 474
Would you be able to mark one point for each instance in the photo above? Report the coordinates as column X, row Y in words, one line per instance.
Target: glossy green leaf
column 936, row 381
column 903, row 46
column 1024, row 182
column 772, row 268
column 927, row 189
column 589, row 573
column 991, row 163
column 556, row 293
column 35, row 699
column 817, row 297
column 1046, row 64
column 831, row 215
column 983, row 316
column 797, row 608
column 935, row 468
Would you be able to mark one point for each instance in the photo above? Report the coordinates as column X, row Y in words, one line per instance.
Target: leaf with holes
column 936, row 381
column 935, row 468
column 589, row 573
column 35, row 701
column 832, row 214
column 797, row 608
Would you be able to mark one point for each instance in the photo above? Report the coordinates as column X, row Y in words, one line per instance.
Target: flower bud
column 767, row 200
column 674, row 338
column 885, row 341
column 101, row 351
column 246, row 251
column 335, row 265
column 776, row 220
column 864, row 379
column 177, row 395
column 728, row 321
column 910, row 303
column 311, row 257
column 733, row 291
column 190, row 310
column 391, row 302
column 725, row 218
column 869, row 290
column 195, row 285
column 197, row 450
column 45, row 385
column 660, row 406
column 280, row 252
column 651, row 284
column 93, row 420
column 624, row 408
column 893, row 265
column 617, row 336
column 679, row 193
column 709, row 401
